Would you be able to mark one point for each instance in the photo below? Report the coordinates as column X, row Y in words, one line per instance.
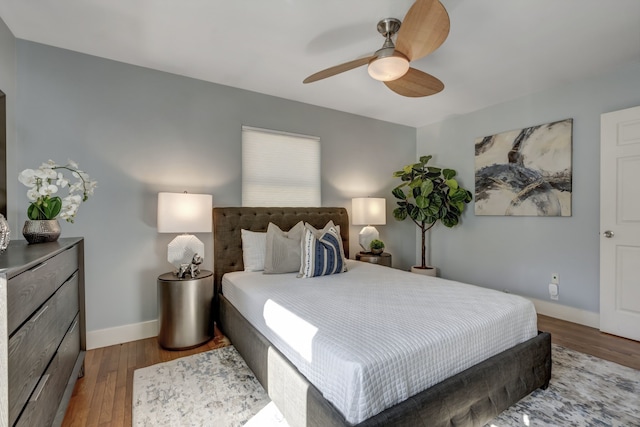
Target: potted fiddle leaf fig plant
column 427, row 195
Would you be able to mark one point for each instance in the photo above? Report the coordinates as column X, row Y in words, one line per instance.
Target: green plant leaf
column 452, row 184
column 45, row 208
column 469, row 197
column 53, row 208
column 425, row 159
column 448, row 173
column 426, row 187
column 419, row 215
column 415, row 192
column 400, row 214
column 422, row 202
column 398, row 174
column 398, row 193
column 458, row 195
column 34, row 213
column 435, row 170
column 450, row 220
column 407, row 169
column 433, row 209
column 415, row 183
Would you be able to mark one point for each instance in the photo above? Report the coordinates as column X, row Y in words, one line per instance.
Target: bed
column 470, row 397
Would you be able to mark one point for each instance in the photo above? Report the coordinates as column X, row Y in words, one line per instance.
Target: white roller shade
column 279, row 169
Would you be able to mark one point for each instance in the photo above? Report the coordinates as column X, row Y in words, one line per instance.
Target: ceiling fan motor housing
column 389, row 26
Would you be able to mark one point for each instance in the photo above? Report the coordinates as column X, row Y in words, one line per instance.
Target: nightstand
column 184, row 310
column 382, row 259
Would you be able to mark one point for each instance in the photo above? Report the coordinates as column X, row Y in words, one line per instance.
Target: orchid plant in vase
column 44, row 183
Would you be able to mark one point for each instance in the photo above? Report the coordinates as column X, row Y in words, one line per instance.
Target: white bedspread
column 374, row 336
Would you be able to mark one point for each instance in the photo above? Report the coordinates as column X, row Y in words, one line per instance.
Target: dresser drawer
column 30, row 350
column 32, row 346
column 43, row 403
column 67, row 303
column 28, row 290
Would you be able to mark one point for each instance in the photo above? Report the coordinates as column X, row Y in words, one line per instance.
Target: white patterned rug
column 217, row 388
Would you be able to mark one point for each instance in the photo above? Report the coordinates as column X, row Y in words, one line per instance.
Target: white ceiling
column 497, row 50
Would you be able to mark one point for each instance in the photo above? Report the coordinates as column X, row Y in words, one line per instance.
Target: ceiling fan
column 424, row 29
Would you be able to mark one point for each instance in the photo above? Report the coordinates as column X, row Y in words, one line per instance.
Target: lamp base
column 367, row 234
column 182, row 249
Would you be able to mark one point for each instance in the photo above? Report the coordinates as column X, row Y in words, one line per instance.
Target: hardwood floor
column 591, row 341
column 103, row 396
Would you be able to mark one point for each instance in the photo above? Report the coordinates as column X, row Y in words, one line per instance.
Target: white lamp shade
column 184, row 213
column 368, row 211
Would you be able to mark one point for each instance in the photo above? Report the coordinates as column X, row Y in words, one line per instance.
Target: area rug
column 217, row 388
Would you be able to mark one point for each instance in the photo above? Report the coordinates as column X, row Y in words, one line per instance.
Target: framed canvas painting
column 525, row 172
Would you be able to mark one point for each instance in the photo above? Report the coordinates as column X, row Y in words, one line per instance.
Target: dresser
column 42, row 330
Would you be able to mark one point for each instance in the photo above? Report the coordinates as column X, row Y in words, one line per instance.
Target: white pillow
column 254, row 246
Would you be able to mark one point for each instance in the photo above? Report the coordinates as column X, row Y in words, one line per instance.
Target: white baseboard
column 121, row 334
column 570, row 314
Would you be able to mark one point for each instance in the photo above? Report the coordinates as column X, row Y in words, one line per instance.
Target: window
column 279, row 168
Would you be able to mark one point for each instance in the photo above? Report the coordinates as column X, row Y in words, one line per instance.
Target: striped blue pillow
column 322, row 252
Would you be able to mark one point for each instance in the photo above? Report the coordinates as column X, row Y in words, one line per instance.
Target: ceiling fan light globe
column 388, row 68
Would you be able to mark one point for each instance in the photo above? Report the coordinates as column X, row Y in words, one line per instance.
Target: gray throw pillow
column 283, row 249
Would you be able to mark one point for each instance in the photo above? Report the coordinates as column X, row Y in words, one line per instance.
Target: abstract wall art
column 525, row 172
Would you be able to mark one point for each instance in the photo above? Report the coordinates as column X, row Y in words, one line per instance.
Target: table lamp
column 184, row 213
column 368, row 211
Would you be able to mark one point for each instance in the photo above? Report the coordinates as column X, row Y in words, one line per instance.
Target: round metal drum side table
column 382, row 259
column 184, row 310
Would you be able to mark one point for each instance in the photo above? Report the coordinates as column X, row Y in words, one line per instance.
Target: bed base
column 470, row 398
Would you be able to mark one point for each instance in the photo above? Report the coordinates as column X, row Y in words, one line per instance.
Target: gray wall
column 520, row 253
column 8, row 86
column 139, row 131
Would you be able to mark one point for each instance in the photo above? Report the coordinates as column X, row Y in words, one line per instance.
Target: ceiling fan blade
column 424, row 29
column 415, row 84
column 337, row 69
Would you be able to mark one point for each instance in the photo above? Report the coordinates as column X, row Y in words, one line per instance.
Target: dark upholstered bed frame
column 470, row 398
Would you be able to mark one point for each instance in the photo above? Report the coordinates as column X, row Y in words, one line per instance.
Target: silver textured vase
column 5, row 233
column 41, row 230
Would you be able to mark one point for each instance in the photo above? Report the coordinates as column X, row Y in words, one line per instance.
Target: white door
column 620, row 223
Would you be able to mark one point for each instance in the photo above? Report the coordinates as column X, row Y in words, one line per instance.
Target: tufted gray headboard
column 227, row 223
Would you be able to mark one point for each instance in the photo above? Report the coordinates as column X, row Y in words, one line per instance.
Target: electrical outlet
column 553, row 291
column 555, row 279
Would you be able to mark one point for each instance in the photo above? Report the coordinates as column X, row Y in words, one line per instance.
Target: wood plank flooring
column 591, row 341
column 103, row 396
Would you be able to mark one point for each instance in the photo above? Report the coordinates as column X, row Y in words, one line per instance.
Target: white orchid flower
column 48, row 189
column 62, row 182
column 27, row 177
column 46, row 174
column 33, row 194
